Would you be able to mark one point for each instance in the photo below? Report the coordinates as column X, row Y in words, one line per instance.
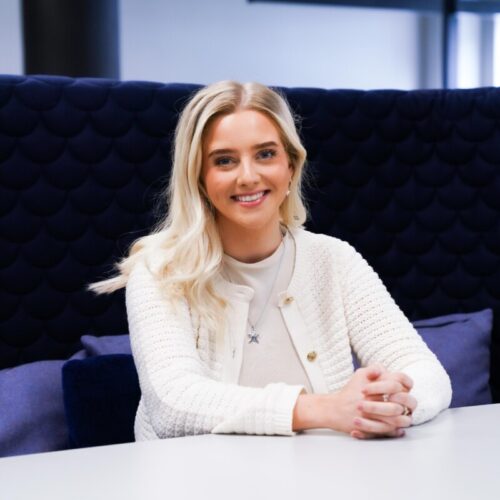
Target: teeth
column 253, row 197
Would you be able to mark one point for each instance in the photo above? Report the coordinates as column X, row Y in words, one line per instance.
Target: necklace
column 253, row 335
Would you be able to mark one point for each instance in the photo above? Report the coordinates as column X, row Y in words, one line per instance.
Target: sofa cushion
column 107, row 344
column 33, row 394
column 101, row 395
column 462, row 344
column 31, row 407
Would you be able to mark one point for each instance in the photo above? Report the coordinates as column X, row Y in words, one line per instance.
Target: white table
column 456, row 456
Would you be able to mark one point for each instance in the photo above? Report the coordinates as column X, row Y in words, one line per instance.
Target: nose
column 248, row 173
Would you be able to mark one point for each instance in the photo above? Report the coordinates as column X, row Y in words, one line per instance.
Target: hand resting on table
column 371, row 404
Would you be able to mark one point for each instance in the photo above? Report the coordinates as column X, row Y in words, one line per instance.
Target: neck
column 250, row 246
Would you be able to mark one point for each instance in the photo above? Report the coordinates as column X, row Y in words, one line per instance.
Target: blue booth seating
column 410, row 178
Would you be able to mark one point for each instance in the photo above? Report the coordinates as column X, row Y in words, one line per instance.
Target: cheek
column 215, row 185
column 285, row 178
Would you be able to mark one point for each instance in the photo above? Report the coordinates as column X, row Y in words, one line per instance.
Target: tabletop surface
column 454, row 456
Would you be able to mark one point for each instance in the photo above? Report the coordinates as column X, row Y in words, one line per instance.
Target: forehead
column 242, row 128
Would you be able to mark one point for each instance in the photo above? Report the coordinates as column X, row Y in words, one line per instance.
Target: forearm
column 314, row 411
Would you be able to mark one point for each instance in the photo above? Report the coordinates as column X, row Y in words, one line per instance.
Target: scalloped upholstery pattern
column 410, row 178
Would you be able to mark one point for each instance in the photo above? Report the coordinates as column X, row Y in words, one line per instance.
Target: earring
column 288, row 192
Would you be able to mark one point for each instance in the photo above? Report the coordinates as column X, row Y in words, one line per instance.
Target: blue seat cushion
column 101, row 396
column 462, row 343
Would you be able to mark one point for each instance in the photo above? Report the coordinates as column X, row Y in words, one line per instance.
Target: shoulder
column 319, row 244
column 145, row 279
column 141, row 273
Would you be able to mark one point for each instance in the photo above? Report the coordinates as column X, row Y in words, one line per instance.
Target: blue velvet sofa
column 410, row 178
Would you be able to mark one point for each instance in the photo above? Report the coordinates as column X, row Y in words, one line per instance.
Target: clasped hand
column 374, row 403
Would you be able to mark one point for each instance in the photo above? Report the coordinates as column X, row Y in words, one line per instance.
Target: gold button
column 289, row 300
column 311, row 356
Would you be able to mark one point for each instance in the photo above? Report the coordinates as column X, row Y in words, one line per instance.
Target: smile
column 251, row 197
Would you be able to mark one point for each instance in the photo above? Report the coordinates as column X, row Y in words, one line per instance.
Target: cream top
column 274, row 358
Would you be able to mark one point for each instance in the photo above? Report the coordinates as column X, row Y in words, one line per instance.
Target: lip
column 251, row 203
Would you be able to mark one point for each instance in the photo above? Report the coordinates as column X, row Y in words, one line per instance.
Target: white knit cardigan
column 334, row 301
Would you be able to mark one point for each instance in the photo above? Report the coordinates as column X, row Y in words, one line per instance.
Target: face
column 246, row 171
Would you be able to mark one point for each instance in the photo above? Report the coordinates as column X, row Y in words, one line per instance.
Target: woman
column 243, row 322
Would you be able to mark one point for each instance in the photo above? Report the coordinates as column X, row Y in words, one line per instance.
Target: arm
column 380, row 333
column 178, row 395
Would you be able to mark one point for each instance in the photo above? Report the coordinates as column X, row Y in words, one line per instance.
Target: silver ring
column 385, row 398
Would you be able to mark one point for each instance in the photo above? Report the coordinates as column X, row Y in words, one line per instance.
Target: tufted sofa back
column 411, row 179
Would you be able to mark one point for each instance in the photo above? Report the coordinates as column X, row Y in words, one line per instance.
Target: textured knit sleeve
column 380, row 333
column 178, row 396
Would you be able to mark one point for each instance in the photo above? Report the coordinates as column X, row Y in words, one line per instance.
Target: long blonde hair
column 184, row 251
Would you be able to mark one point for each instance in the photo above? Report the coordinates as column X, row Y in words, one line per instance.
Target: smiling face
column 246, row 172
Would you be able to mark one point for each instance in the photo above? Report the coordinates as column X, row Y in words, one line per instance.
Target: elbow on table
column 432, row 389
column 163, row 422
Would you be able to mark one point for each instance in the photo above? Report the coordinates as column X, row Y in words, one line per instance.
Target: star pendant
column 253, row 337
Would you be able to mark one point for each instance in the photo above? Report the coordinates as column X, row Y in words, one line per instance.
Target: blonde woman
column 241, row 321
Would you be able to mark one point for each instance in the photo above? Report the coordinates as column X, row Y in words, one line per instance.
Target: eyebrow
column 228, row 151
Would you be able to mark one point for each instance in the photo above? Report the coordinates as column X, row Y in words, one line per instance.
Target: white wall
column 201, row 41
column 206, row 40
column 496, row 52
column 10, row 37
column 469, row 46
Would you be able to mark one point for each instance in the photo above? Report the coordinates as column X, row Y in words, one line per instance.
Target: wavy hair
column 184, row 251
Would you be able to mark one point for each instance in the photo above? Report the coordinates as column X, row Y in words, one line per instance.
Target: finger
column 372, row 426
column 381, row 409
column 357, row 434
column 373, row 372
column 404, row 399
column 400, row 377
column 383, row 387
column 400, row 421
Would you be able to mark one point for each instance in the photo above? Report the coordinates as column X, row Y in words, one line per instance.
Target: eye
column 224, row 161
column 267, row 154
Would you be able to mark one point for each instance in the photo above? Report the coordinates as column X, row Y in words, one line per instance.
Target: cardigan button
column 289, row 300
column 311, row 356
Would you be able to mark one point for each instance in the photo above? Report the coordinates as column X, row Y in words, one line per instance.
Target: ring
column 406, row 411
column 385, row 398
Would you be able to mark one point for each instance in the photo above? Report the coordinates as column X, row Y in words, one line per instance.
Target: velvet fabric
column 31, row 399
column 31, row 407
column 101, row 396
column 410, row 178
column 462, row 344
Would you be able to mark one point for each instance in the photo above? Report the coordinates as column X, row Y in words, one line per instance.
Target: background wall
column 11, row 56
column 294, row 45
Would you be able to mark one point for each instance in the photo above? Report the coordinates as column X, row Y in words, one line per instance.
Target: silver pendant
column 253, row 336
